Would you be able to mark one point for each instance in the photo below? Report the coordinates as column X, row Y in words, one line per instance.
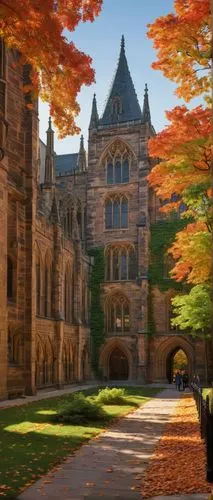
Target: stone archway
column 116, row 360
column 170, row 363
column 118, row 365
column 165, row 352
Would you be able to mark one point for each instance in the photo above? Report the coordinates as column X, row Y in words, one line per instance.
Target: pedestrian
column 178, row 381
column 185, row 381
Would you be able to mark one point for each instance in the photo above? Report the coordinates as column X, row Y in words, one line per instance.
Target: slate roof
column 123, row 89
column 66, row 163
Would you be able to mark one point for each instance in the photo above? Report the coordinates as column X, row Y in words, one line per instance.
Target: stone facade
column 53, row 209
column 44, row 270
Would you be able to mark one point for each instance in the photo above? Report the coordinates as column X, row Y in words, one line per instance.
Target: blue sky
column 101, row 40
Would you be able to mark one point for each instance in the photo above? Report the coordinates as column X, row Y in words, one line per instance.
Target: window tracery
column 117, row 162
column 120, row 262
column 116, row 212
column 117, row 314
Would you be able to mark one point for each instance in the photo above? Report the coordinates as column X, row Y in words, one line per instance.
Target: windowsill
column 116, row 229
column 40, row 316
column 120, row 281
column 128, row 332
column 114, row 184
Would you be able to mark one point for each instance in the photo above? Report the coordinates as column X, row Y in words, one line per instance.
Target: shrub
column 81, row 409
column 111, row 396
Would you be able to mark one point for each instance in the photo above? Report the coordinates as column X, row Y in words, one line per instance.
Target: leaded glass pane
column 117, row 172
column 116, row 213
column 126, row 318
column 115, row 266
column 118, row 318
column 109, row 173
column 125, row 171
column 124, row 213
column 108, row 215
column 123, row 265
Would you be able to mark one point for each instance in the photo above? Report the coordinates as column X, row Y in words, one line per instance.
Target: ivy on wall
column 162, row 235
column 97, row 313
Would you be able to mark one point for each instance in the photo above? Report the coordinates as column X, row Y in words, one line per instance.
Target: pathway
column 69, row 389
column 109, row 467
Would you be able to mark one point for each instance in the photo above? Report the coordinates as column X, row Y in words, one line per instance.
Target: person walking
column 178, row 381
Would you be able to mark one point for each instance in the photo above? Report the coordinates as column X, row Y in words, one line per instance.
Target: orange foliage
column 183, row 43
column 36, row 29
column 184, row 150
column 178, row 465
column 192, row 250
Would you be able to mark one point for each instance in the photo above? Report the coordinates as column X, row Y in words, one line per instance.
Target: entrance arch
column 118, row 365
column 112, row 352
column 165, row 352
column 176, row 360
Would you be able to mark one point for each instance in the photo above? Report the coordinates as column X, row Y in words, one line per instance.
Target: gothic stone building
column 53, row 210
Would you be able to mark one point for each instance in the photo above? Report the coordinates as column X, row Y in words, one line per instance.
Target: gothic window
column 68, row 294
column 47, row 287
column 118, row 171
column 117, row 314
column 120, row 263
column 116, row 213
column 79, row 220
column 38, row 285
column 10, row 279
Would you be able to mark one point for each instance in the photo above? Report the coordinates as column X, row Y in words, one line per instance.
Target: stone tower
column 118, row 221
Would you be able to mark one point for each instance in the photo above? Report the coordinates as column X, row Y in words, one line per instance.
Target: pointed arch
column 107, row 351
column 68, row 292
column 48, row 267
column 117, row 147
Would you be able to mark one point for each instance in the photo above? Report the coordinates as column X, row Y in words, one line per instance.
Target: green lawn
column 30, row 444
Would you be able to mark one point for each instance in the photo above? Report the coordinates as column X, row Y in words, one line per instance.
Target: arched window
column 68, row 294
column 116, row 213
column 10, row 279
column 120, row 263
column 116, row 106
column 117, row 315
column 79, row 220
column 117, row 171
column 47, row 287
column 38, row 286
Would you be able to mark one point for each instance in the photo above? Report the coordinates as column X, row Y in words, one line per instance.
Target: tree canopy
column 36, row 28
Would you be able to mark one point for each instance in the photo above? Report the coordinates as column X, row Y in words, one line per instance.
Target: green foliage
column 151, row 321
column 111, row 396
column 161, row 238
column 80, row 409
column 193, row 311
column 97, row 314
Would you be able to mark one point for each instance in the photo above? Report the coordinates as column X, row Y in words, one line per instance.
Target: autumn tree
column 183, row 43
column 36, row 29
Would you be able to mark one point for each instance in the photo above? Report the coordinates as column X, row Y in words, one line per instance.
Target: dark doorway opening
column 118, row 365
column 176, row 360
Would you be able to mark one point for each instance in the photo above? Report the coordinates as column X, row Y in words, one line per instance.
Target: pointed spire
column 122, row 104
column 146, row 116
column 94, row 120
column 49, row 175
column 81, row 161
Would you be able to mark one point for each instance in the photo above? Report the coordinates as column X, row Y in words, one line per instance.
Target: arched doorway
column 176, row 360
column 118, row 365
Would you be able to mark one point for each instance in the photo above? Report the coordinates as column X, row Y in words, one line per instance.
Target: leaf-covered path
column 110, row 465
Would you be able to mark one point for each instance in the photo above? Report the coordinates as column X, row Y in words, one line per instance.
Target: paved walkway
column 110, row 466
